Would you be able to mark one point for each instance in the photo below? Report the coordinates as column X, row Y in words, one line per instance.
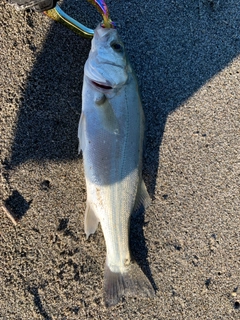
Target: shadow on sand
column 175, row 48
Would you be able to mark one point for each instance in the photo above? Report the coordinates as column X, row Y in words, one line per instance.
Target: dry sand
column 186, row 57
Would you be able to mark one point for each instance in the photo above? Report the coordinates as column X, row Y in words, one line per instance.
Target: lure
column 101, row 6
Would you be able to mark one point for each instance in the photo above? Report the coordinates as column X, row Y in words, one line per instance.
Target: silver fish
column 111, row 131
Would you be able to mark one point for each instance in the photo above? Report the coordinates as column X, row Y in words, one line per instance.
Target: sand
column 186, row 57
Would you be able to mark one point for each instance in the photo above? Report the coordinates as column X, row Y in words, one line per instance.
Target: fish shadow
column 138, row 245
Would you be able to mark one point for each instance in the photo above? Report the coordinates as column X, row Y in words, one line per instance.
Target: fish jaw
column 107, row 65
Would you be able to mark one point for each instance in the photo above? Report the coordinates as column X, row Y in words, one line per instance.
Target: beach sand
column 186, row 57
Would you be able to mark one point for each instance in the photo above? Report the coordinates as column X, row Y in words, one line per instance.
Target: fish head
column 107, row 67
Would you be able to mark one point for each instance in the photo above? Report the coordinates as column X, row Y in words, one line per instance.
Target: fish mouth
column 101, row 85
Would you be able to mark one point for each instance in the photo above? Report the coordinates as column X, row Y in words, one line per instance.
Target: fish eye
column 117, row 46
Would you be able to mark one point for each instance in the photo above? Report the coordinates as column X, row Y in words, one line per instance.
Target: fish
column 111, row 134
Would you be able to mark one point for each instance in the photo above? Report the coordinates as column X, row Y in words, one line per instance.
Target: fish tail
column 130, row 282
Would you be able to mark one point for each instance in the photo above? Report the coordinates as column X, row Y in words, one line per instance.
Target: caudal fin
column 131, row 282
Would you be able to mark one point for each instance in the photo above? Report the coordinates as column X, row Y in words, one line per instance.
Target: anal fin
column 91, row 221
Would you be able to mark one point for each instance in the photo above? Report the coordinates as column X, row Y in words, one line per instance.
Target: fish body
column 111, row 132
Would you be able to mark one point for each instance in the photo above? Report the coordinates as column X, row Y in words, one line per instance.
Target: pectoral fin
column 109, row 120
column 91, row 221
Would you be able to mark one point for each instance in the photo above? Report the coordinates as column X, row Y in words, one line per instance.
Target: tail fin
column 131, row 282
